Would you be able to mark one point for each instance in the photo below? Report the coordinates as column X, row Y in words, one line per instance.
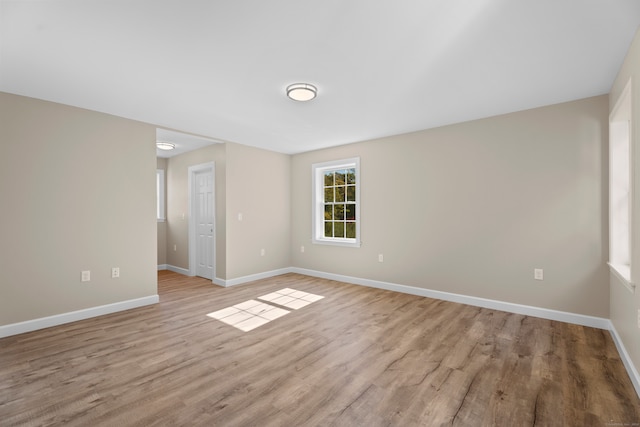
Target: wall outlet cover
column 538, row 274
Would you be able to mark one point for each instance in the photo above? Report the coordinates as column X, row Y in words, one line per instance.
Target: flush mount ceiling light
column 301, row 91
column 165, row 145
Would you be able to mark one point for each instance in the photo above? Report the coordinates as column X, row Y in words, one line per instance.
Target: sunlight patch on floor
column 250, row 314
column 291, row 298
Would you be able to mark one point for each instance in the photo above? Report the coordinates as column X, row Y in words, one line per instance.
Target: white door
column 204, row 224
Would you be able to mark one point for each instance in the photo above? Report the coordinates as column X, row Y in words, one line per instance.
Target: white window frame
column 160, row 202
column 318, row 170
column 621, row 174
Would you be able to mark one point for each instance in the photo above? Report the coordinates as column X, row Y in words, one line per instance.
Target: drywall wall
column 78, row 193
column 624, row 304
column 258, row 187
column 473, row 208
column 161, row 163
column 178, row 205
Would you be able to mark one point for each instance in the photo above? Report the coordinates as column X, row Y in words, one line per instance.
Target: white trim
column 623, row 273
column 254, row 277
column 238, row 280
column 626, row 359
column 622, row 112
column 185, row 272
column 74, row 316
column 179, row 270
column 578, row 319
column 317, row 200
column 544, row 313
column 193, row 170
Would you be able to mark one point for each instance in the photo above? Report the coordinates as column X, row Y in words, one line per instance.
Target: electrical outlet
column 175, row 248
column 302, row 249
column 86, row 276
column 115, row 272
column 538, row 274
column 262, row 252
column 380, row 258
column 240, row 216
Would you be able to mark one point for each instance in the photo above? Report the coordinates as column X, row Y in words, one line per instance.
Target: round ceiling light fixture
column 165, row 145
column 302, row 91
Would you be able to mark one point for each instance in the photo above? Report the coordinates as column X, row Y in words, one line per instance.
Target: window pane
column 351, row 230
column 351, row 193
column 335, row 197
column 350, row 212
column 328, row 229
column 328, row 212
column 351, row 176
column 328, row 179
column 328, row 194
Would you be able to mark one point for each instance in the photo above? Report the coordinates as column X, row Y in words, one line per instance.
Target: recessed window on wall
column 620, row 173
column 336, row 202
column 160, row 195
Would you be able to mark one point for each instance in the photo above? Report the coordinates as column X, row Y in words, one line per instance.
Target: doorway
column 202, row 220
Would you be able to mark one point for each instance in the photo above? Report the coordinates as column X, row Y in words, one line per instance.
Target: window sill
column 355, row 244
column 623, row 273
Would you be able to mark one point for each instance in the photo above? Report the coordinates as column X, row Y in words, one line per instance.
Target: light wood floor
column 358, row 357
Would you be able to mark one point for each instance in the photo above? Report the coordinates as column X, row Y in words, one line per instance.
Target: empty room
column 337, row 213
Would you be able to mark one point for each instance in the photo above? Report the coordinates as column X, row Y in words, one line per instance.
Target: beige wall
column 258, row 186
column 178, row 205
column 78, row 193
column 161, row 163
column 474, row 207
column 250, row 181
column 625, row 305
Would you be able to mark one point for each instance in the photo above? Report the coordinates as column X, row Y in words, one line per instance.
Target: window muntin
column 336, row 195
column 340, row 203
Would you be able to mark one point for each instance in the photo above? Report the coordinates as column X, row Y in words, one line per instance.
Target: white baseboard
column 578, row 319
column 73, row 316
column 226, row 282
column 626, row 359
column 180, row 270
column 544, row 313
column 252, row 277
column 218, row 281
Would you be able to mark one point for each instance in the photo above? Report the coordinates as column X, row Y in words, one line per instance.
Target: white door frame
column 193, row 170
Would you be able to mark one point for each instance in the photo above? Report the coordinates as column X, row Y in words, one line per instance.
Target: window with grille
column 620, row 191
column 336, row 210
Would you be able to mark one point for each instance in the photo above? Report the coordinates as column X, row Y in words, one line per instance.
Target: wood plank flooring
column 358, row 357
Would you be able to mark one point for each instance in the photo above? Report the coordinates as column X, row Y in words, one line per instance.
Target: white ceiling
column 182, row 141
column 219, row 68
